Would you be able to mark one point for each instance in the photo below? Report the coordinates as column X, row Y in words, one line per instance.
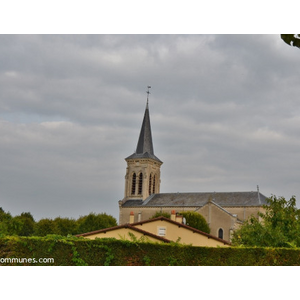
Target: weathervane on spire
column 148, row 92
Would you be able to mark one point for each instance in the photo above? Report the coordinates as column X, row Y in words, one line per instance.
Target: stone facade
column 142, row 178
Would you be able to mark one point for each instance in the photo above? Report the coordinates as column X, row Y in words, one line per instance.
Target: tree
column 196, row 220
column 94, row 221
column 65, row 226
column 5, row 219
column 24, row 224
column 44, row 227
column 291, row 39
column 279, row 226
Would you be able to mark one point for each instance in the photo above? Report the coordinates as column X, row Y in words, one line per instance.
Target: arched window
column 140, row 183
column 153, row 189
column 220, row 233
column 133, row 184
column 150, row 182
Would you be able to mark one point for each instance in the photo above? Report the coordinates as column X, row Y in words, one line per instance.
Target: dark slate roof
column 200, row 199
column 144, row 147
column 130, row 203
column 143, row 155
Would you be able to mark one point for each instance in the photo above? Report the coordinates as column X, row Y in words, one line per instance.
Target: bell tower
column 143, row 168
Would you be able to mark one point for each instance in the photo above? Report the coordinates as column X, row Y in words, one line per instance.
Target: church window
column 150, row 182
column 153, row 188
column 220, row 233
column 133, row 184
column 140, row 183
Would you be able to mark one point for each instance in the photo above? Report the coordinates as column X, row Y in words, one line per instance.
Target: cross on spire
column 148, row 92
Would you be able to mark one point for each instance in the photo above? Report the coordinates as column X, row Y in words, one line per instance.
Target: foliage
column 196, row 220
column 72, row 251
column 65, row 226
column 22, row 225
column 44, row 227
column 161, row 214
column 279, row 226
column 94, row 221
column 291, row 39
column 5, row 221
column 25, row 225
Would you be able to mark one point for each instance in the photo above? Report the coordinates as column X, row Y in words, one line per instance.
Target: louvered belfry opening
column 150, row 182
column 153, row 190
column 140, row 183
column 133, row 184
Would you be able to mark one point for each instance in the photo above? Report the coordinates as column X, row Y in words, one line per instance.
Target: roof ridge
column 220, row 207
column 210, row 192
column 181, row 225
column 148, row 199
column 127, row 225
column 198, row 199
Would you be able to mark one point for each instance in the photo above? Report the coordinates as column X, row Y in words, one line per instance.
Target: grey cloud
column 224, row 113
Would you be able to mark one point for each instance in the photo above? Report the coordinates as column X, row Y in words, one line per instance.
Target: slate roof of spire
column 144, row 147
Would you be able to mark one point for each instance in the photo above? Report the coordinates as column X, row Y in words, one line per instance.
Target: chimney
column 178, row 219
column 131, row 218
column 173, row 215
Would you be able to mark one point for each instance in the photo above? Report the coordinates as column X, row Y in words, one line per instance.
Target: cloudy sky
column 224, row 109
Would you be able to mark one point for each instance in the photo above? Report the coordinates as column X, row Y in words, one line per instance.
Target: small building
column 124, row 232
column 161, row 230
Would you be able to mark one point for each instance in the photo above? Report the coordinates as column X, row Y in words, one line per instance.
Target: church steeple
column 144, row 147
column 143, row 167
column 145, row 143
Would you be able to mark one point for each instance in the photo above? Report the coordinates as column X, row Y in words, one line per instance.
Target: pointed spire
column 145, row 143
column 144, row 147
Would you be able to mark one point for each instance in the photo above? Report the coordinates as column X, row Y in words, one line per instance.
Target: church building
column 223, row 211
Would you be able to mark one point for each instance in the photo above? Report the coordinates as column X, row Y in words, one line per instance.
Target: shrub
column 196, row 220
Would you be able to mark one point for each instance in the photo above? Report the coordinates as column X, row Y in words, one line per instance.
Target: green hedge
column 61, row 251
